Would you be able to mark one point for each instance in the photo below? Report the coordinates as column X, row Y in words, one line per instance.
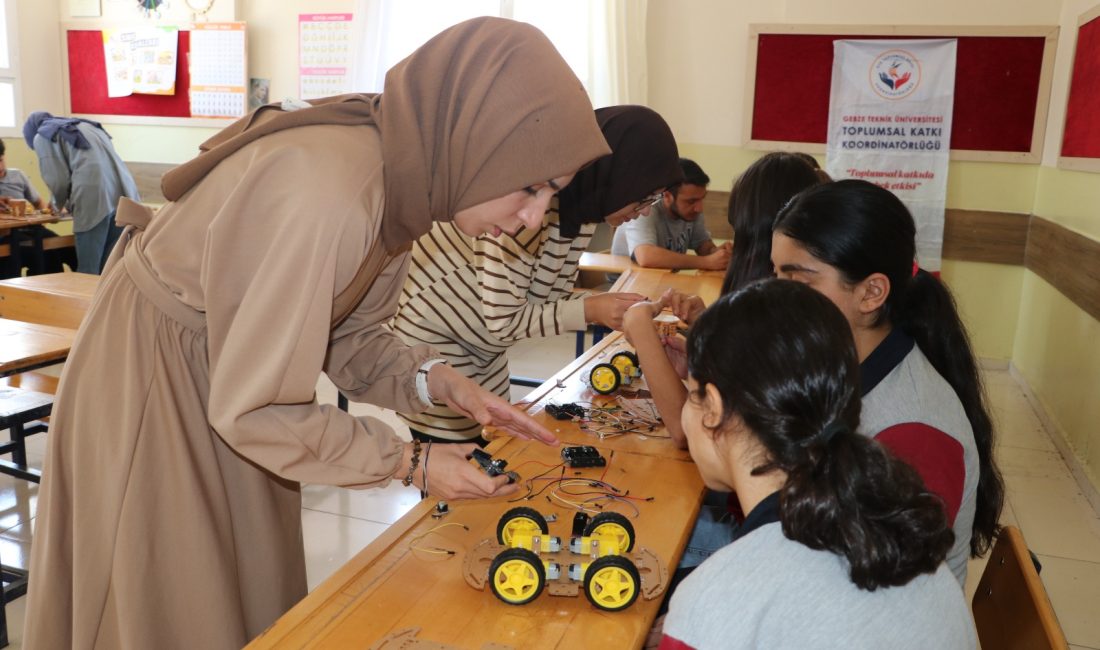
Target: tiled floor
column 1043, row 500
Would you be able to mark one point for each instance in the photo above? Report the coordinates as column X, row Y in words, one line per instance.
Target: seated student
column 14, row 184
column 662, row 238
column 843, row 546
column 922, row 395
column 757, row 196
column 473, row 298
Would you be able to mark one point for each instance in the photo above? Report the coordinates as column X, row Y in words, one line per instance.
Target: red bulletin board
column 88, row 81
column 1081, row 138
column 1000, row 89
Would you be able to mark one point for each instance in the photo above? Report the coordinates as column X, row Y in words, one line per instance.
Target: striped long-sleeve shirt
column 472, row 298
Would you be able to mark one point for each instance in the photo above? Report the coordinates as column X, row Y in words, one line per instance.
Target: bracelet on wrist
column 407, row 481
column 424, row 467
column 422, row 379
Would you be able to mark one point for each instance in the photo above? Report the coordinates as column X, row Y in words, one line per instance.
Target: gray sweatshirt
column 766, row 591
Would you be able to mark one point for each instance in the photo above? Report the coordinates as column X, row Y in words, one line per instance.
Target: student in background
column 675, row 225
column 474, row 297
column 922, row 394
column 85, row 175
column 186, row 419
column 843, row 545
column 14, row 184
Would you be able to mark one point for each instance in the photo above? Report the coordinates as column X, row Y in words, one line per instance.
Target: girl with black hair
column 757, row 196
column 922, row 395
column 843, row 546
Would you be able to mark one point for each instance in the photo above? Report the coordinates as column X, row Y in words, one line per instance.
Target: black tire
column 613, row 519
column 517, row 576
column 604, row 368
column 612, row 583
column 510, row 517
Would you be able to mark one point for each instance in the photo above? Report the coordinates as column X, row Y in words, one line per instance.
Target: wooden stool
column 19, row 407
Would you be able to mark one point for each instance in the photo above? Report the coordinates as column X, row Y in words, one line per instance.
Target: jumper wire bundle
column 614, row 417
column 585, row 494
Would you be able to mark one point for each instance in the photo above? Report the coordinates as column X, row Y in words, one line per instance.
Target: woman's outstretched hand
column 467, row 397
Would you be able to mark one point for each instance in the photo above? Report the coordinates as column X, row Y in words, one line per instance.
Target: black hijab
column 643, row 159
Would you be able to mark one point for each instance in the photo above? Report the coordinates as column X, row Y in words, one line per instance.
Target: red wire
column 608, row 465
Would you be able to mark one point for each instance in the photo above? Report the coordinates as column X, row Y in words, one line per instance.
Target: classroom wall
column 272, row 53
column 1055, row 348
column 699, row 49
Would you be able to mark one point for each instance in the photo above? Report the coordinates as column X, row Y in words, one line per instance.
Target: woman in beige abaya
column 169, row 513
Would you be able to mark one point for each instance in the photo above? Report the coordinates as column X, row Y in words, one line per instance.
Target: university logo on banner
column 895, row 74
column 890, row 124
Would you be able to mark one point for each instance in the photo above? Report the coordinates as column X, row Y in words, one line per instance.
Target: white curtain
column 368, row 67
column 617, row 43
column 602, row 40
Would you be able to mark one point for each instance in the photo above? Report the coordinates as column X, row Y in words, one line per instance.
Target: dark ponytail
column 757, row 195
column 859, row 228
column 782, row 357
column 930, row 316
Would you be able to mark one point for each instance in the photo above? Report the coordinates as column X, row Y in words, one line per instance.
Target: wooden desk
column 8, row 222
column 653, row 282
column 388, row 587
column 25, row 346
column 605, row 263
column 59, row 299
column 12, row 250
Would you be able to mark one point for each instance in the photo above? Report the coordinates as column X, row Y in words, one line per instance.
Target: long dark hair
column 859, row 228
column 795, row 385
column 757, row 196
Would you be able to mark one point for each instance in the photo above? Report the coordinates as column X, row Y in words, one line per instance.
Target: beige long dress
column 141, row 491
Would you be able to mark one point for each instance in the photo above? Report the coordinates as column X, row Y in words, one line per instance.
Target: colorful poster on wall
column 219, row 70
column 324, row 51
column 890, row 124
column 141, row 60
column 154, row 60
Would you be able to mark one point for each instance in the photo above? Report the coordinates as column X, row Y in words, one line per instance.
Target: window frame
column 12, row 73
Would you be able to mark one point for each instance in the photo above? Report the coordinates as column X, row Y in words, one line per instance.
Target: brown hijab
column 644, row 159
column 485, row 108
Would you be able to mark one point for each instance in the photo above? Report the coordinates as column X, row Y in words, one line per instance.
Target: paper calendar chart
column 219, row 70
column 324, row 51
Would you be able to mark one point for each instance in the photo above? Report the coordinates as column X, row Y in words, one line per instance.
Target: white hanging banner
column 890, row 124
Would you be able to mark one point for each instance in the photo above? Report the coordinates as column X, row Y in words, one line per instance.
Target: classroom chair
column 1011, row 607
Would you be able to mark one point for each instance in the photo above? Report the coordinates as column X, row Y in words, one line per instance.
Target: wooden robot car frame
column 525, row 559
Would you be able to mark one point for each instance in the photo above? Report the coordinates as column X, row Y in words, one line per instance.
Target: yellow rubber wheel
column 614, row 525
column 612, row 583
column 605, row 378
column 625, row 362
column 517, row 576
column 520, row 520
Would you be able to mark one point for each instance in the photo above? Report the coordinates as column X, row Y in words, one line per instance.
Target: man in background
column 14, row 184
column 674, row 225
